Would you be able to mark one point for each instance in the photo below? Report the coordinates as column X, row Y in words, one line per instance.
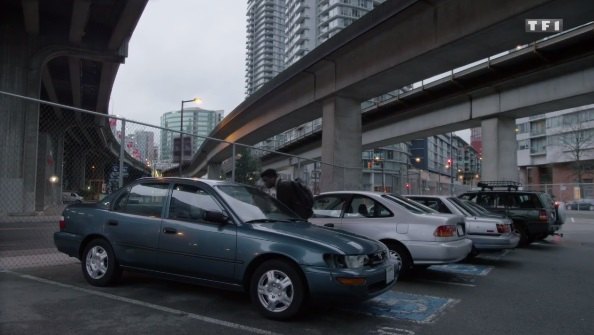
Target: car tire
column 403, row 256
column 99, row 264
column 525, row 239
column 278, row 290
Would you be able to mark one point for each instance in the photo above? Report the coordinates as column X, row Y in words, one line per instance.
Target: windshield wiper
column 264, row 221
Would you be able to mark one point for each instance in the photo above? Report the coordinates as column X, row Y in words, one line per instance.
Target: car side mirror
column 216, row 216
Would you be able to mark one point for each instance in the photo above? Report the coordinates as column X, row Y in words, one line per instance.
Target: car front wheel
column 277, row 289
column 99, row 265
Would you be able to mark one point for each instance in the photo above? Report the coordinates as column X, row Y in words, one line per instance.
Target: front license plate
column 390, row 274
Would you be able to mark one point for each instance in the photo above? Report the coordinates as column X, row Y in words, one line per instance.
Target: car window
column 143, row 199
column 328, row 206
column 190, row 202
column 363, row 206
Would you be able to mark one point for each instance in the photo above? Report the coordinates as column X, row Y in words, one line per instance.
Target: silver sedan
column 488, row 231
column 413, row 233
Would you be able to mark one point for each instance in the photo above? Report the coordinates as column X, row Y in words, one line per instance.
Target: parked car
column 416, row 235
column 581, row 205
column 533, row 213
column 487, row 232
column 224, row 235
column 69, row 197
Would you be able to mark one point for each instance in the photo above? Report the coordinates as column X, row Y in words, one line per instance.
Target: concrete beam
column 31, row 15
column 78, row 20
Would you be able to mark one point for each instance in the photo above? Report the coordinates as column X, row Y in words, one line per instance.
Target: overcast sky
column 183, row 49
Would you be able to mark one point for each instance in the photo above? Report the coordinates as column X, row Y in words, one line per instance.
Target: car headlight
column 347, row 261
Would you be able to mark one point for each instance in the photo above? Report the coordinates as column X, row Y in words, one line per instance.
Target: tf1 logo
column 544, row 25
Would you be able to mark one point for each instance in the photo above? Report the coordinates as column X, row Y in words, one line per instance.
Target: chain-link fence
column 56, row 155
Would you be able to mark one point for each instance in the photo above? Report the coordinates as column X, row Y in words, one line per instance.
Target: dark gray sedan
column 224, row 235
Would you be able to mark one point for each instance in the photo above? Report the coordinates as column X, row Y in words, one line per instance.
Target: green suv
column 533, row 213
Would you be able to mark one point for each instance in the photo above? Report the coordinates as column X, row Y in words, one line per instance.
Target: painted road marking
column 176, row 312
column 405, row 306
column 464, row 269
column 392, row 331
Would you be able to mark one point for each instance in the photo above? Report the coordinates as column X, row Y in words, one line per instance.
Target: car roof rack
column 508, row 184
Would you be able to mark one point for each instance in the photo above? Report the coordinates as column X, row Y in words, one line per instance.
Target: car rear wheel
column 525, row 239
column 277, row 289
column 99, row 265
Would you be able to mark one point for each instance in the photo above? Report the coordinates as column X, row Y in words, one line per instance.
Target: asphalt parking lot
column 542, row 289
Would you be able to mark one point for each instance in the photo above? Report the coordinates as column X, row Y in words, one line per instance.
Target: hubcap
column 275, row 291
column 96, row 262
column 396, row 255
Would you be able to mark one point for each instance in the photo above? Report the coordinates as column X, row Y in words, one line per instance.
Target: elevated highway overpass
column 544, row 76
column 65, row 52
column 399, row 43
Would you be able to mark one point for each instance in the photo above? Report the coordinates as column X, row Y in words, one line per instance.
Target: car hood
column 342, row 242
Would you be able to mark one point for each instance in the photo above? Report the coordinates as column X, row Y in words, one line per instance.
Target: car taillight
column 503, row 228
column 62, row 223
column 445, row 231
column 542, row 215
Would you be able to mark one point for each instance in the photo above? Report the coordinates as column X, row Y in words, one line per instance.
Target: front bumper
column 323, row 282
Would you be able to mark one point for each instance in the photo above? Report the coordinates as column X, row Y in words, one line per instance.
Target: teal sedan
column 224, row 235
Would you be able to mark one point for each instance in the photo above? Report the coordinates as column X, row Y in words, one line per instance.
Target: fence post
column 233, row 163
column 122, row 144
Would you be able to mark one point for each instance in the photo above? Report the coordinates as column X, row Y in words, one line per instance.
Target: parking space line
column 173, row 311
column 445, row 282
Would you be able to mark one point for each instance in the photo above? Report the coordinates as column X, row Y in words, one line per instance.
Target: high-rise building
column 145, row 142
column 280, row 32
column 265, row 45
column 197, row 121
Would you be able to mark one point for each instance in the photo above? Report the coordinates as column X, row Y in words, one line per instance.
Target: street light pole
column 181, row 132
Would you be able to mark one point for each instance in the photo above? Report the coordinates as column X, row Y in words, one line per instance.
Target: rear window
column 505, row 200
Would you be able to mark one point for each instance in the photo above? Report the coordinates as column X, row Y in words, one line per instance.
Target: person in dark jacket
column 284, row 191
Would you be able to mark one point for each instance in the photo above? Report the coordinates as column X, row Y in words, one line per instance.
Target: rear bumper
column 438, row 252
column 68, row 243
column 484, row 242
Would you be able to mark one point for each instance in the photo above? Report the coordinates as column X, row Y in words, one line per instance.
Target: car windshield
column 411, row 205
column 253, row 205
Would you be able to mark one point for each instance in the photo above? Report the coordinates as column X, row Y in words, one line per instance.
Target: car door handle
column 331, row 225
column 169, row 231
column 113, row 222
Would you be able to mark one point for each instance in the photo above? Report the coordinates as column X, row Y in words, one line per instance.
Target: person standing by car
column 291, row 193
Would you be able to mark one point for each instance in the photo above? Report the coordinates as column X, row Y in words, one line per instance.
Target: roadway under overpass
column 399, row 43
column 65, row 52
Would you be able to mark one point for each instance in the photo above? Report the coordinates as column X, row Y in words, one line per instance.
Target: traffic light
column 407, row 186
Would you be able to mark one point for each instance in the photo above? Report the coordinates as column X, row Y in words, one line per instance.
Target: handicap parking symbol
column 405, row 306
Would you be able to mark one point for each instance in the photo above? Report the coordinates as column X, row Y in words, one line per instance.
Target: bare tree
column 578, row 143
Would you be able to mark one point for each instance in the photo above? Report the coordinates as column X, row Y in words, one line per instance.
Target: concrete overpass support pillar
column 341, row 144
column 19, row 121
column 214, row 171
column 500, row 160
column 78, row 173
